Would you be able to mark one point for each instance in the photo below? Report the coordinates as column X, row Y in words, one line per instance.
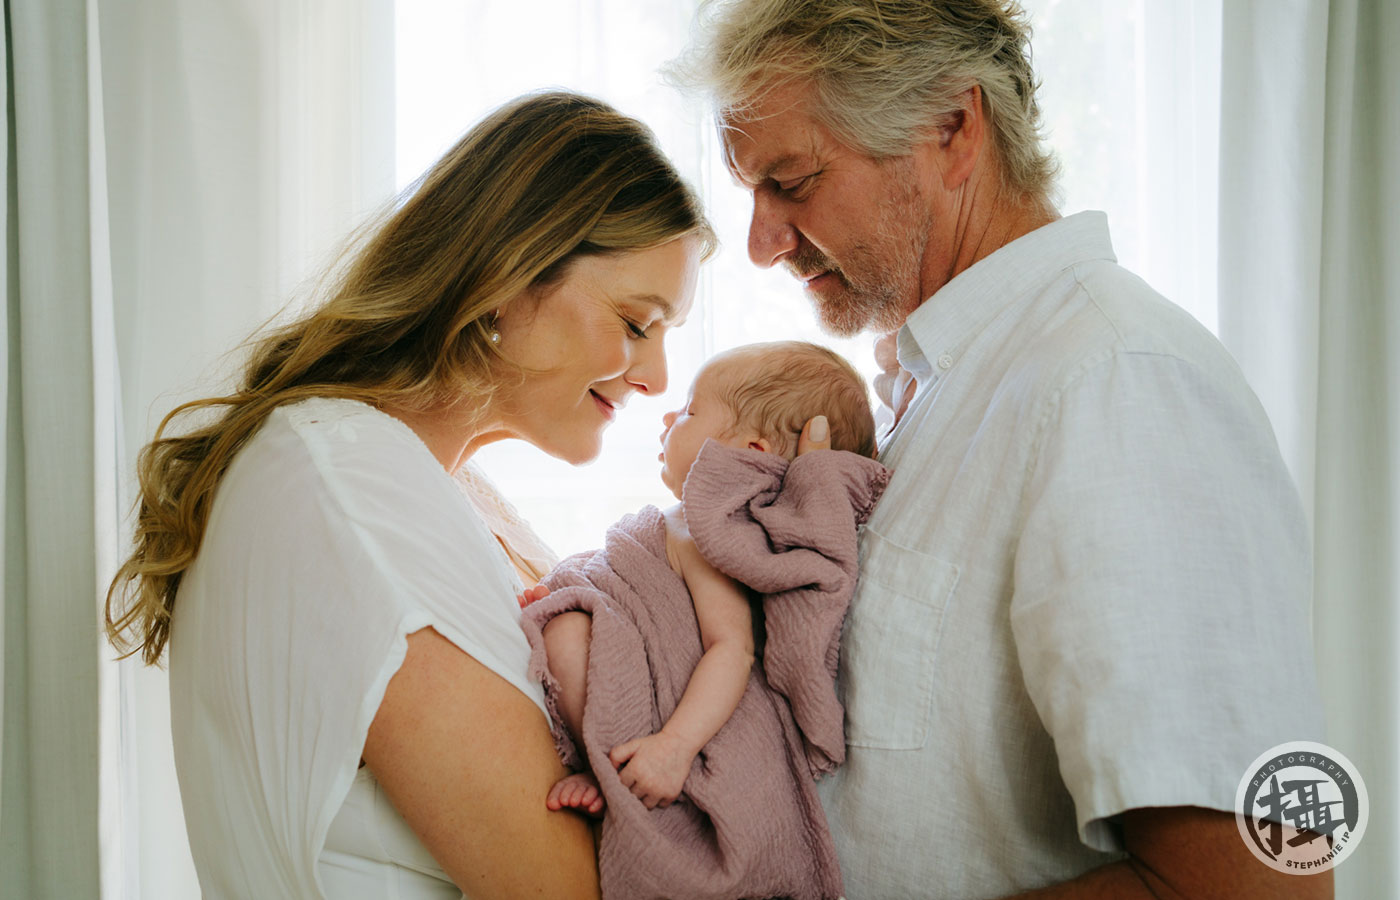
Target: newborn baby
column 756, row 397
column 671, row 588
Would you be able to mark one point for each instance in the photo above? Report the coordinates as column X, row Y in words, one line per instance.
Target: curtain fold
column 242, row 141
column 173, row 172
column 1310, row 305
column 49, row 766
column 215, row 152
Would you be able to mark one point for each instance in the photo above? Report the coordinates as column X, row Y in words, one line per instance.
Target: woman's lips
column 605, row 406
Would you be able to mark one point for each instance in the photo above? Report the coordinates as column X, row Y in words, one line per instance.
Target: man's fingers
column 884, row 388
column 886, row 349
column 816, row 435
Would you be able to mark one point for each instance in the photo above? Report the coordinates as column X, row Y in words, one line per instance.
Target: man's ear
column 958, row 142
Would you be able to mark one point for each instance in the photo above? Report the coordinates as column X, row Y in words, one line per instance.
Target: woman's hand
column 816, row 435
column 653, row 768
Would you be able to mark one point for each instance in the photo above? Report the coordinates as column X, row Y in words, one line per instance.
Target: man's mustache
column 808, row 261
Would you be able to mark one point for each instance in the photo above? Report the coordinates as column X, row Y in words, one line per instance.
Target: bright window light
column 1129, row 98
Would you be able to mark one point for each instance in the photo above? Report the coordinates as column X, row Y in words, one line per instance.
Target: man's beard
column 878, row 278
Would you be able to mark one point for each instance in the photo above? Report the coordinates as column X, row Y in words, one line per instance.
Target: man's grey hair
column 884, row 72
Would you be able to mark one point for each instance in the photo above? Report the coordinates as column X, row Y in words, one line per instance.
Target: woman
column 349, row 703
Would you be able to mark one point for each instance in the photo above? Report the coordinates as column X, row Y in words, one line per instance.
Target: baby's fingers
column 619, row 755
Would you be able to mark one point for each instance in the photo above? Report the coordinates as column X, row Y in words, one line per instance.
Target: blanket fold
column 748, row 823
column 788, row 530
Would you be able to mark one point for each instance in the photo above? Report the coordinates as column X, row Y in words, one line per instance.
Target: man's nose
column 771, row 235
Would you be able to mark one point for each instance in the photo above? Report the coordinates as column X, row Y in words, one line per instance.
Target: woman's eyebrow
column 667, row 310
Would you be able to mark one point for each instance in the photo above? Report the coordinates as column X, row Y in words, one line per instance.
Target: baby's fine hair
column 794, row 381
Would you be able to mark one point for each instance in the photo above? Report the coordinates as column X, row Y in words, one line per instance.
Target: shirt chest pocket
column 887, row 659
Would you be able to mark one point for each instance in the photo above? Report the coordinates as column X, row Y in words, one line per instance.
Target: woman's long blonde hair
column 542, row 181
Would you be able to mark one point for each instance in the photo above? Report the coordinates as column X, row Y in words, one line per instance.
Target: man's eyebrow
column 782, row 162
column 766, row 172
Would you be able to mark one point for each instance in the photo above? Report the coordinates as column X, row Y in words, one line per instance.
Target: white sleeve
column 1162, row 589
column 331, row 540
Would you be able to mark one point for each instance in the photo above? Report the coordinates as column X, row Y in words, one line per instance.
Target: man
column 1084, row 598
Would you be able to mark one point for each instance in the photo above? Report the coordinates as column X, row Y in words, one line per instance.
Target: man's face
column 853, row 229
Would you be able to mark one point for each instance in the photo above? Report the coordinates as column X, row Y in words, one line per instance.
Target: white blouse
column 334, row 535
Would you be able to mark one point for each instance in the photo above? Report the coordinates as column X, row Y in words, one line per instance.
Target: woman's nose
column 771, row 235
column 648, row 373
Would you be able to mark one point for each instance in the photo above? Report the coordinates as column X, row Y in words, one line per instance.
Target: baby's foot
column 577, row 791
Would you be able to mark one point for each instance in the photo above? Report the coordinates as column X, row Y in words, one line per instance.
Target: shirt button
column 945, row 362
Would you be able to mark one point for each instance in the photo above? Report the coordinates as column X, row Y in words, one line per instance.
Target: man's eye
column 793, row 185
column 637, row 330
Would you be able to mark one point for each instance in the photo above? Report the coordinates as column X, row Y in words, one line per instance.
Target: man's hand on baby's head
column 816, row 435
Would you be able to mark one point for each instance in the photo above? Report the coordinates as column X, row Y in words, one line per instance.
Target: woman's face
column 589, row 342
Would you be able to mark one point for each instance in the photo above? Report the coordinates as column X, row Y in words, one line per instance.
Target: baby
column 757, row 397
column 647, row 649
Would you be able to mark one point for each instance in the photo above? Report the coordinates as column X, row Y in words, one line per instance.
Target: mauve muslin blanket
column 748, row 823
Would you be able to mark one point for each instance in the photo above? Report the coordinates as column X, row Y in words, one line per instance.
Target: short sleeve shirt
column 334, row 535
column 1085, row 590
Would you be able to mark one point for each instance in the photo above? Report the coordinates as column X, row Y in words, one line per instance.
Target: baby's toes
column 556, row 798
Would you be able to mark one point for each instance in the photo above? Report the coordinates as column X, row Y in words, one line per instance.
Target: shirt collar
column 934, row 335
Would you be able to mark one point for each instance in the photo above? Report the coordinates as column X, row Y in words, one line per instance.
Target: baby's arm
column 655, row 767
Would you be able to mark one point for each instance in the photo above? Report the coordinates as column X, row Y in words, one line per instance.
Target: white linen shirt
column 334, row 535
column 1086, row 589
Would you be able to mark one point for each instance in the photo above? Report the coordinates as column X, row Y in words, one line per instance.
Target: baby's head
column 759, row 396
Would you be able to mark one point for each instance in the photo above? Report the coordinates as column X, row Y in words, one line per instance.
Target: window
column 1130, row 99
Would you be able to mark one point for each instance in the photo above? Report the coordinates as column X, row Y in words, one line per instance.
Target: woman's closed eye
column 637, row 330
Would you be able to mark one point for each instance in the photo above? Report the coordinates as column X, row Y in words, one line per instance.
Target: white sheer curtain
column 170, row 185
column 174, row 171
column 49, row 740
column 1131, row 96
column 1310, row 305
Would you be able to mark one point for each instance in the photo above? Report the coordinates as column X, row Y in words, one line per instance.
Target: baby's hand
column 531, row 594
column 653, row 768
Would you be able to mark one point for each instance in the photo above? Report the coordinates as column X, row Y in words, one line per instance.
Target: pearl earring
column 495, row 336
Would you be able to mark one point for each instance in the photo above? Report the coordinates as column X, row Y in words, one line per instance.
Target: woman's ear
column 760, row 443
